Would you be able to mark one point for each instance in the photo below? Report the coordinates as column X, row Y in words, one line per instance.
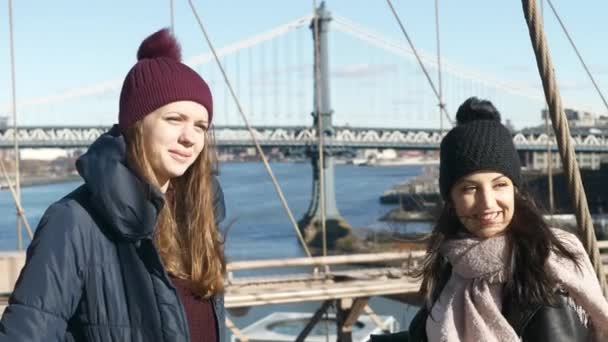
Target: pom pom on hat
column 475, row 109
column 159, row 78
column 160, row 44
column 478, row 143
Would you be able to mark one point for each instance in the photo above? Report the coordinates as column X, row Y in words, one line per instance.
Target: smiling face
column 174, row 136
column 484, row 202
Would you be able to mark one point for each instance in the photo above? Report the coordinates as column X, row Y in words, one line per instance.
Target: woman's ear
column 448, row 204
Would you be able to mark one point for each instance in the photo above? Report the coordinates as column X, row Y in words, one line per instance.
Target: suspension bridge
column 378, row 101
column 379, row 97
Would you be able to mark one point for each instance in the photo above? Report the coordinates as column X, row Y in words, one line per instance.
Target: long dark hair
column 530, row 240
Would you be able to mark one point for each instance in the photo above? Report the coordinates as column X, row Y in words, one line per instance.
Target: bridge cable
column 20, row 211
column 251, row 132
column 320, row 132
column 564, row 142
column 439, row 83
column 373, row 38
column 17, row 197
column 578, row 54
column 428, row 77
column 549, row 142
column 172, row 16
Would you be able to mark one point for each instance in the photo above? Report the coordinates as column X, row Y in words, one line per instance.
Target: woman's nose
column 486, row 198
column 187, row 135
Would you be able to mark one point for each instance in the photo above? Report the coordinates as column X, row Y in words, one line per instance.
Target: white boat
column 285, row 326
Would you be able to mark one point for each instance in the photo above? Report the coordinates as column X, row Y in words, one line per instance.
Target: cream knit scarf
column 469, row 307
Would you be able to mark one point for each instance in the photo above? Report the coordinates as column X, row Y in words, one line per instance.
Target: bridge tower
column 339, row 232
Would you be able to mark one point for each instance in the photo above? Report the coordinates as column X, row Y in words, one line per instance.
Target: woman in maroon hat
column 135, row 253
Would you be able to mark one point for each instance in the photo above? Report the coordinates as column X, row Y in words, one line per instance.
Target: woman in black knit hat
column 494, row 270
column 134, row 254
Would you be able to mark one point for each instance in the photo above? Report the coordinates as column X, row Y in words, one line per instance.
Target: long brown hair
column 186, row 234
column 530, row 240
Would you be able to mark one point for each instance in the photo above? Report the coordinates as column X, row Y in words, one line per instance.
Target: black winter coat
column 532, row 323
column 92, row 272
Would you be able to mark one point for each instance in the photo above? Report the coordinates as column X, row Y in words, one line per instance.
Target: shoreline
column 31, row 181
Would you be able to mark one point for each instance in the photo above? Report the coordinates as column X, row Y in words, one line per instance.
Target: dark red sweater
column 199, row 313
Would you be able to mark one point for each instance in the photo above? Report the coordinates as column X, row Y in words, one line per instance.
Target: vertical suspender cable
column 172, row 16
column 578, row 54
column 263, row 80
column 549, row 142
column 275, row 80
column 17, row 203
column 15, row 131
column 250, row 65
column 426, row 73
column 439, row 83
column 562, row 133
column 238, row 75
column 549, row 164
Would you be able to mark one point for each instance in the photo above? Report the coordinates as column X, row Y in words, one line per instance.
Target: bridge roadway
column 344, row 137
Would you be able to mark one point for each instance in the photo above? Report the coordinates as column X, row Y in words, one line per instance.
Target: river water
column 260, row 229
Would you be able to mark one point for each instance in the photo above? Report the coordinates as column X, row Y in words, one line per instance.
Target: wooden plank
column 338, row 260
column 11, row 264
column 321, row 291
column 347, row 317
column 273, row 279
column 236, row 331
column 359, row 273
column 329, row 260
column 368, row 310
column 354, row 312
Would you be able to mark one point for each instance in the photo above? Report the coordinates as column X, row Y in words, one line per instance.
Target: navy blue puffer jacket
column 92, row 272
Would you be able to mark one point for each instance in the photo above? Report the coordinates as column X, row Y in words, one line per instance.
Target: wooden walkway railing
column 355, row 279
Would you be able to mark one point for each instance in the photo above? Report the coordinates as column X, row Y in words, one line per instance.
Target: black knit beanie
column 479, row 142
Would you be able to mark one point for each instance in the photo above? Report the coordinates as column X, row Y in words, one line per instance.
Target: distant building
column 5, row 154
column 44, row 153
column 602, row 121
column 579, row 118
column 3, row 123
column 539, row 160
column 581, row 123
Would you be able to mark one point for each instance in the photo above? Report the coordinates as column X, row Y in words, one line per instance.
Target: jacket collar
column 129, row 205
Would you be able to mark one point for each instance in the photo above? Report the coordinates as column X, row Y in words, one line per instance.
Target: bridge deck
column 291, row 288
column 337, row 285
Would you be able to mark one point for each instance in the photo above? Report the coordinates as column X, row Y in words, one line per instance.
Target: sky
column 66, row 44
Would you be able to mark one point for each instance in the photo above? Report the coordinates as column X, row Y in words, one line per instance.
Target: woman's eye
column 173, row 118
column 202, row 128
column 501, row 185
column 468, row 189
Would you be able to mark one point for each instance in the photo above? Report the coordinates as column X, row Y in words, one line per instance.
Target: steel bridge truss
column 344, row 137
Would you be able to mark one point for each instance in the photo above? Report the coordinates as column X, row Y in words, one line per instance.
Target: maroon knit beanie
column 159, row 78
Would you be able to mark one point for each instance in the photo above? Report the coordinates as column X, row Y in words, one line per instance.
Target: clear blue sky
column 65, row 44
